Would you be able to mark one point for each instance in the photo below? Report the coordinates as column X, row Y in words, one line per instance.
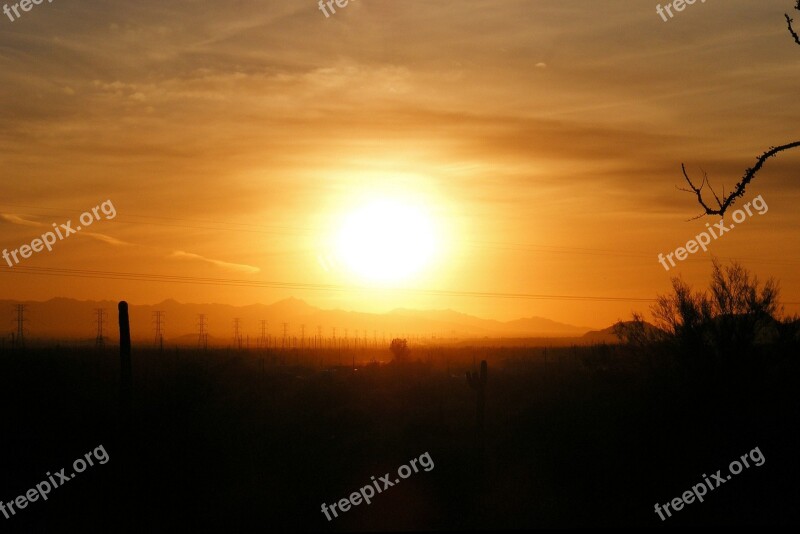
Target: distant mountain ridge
column 64, row 318
column 531, row 326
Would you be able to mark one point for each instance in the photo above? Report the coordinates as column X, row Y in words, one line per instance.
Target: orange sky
column 544, row 137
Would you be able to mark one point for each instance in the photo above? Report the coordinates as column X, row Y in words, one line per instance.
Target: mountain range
column 63, row 318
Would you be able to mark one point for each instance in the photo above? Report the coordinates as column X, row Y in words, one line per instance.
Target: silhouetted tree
column 399, row 348
column 742, row 312
column 683, row 315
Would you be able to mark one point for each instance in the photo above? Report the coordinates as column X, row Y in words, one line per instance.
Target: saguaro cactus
column 478, row 383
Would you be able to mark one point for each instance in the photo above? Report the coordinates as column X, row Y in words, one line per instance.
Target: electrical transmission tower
column 283, row 343
column 318, row 341
column 158, row 319
column 202, row 338
column 100, row 341
column 302, row 336
column 20, row 312
column 263, row 341
column 237, row 336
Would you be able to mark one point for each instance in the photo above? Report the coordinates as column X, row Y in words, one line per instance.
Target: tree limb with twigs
column 738, row 191
column 789, row 21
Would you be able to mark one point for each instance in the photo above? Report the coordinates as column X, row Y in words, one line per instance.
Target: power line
column 144, row 277
column 176, row 279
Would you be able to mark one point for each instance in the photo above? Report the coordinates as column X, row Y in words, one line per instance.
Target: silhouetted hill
column 544, row 327
column 606, row 335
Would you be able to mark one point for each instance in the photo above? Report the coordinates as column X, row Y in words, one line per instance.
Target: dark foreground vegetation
column 247, row 440
column 594, row 436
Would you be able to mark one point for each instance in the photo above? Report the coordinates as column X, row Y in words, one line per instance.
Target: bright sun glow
column 387, row 240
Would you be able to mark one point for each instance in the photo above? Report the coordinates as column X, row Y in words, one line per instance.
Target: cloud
column 106, row 239
column 223, row 264
column 16, row 219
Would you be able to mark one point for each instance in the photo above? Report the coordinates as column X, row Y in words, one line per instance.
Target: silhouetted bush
column 722, row 325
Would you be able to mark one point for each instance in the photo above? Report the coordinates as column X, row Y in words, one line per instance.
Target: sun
column 387, row 240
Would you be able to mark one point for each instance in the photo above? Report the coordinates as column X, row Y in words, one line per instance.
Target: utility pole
column 157, row 317
column 318, row 341
column 99, row 341
column 302, row 336
column 202, row 338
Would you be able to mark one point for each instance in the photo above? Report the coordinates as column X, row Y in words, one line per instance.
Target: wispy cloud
column 107, row 239
column 236, row 267
column 16, row 219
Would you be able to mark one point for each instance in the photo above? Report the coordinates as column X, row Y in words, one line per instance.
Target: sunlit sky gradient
column 545, row 137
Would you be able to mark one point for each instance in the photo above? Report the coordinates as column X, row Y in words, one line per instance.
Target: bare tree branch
column 723, row 205
column 789, row 21
column 738, row 191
